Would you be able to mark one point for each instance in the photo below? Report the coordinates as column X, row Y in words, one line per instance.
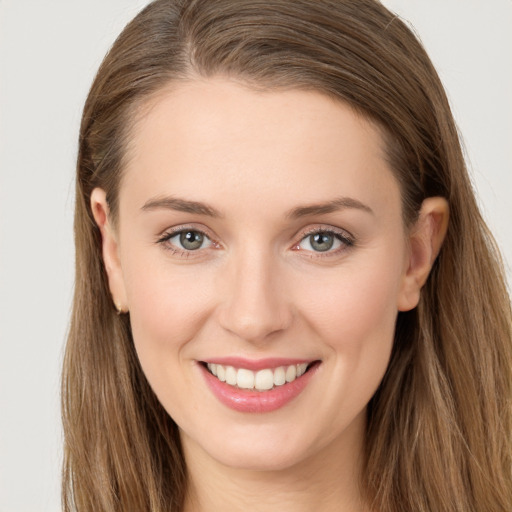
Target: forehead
column 211, row 138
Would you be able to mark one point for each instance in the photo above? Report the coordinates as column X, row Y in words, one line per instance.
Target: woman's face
column 260, row 233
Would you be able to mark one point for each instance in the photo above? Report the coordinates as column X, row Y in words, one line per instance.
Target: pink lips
column 252, row 401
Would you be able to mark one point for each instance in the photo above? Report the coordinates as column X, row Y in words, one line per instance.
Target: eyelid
column 347, row 239
column 171, row 232
column 325, row 228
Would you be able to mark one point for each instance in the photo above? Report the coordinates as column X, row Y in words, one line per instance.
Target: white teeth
column 231, row 375
column 262, row 380
column 221, row 373
column 245, row 379
column 279, row 376
column 301, row 369
column 291, row 373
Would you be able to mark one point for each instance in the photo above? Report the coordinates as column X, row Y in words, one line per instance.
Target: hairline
column 142, row 106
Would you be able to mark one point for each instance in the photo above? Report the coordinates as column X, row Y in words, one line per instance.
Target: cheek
column 355, row 300
column 167, row 308
column 354, row 312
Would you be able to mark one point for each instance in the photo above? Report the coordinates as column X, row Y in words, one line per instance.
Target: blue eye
column 187, row 240
column 324, row 241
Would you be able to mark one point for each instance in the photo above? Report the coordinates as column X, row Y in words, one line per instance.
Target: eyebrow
column 180, row 205
column 340, row 203
column 196, row 207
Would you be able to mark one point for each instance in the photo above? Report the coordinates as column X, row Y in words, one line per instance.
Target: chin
column 259, row 457
column 268, row 446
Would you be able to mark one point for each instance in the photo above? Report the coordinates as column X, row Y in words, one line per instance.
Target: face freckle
column 219, row 207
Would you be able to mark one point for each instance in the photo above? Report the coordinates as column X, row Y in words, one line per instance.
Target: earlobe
column 425, row 240
column 110, row 249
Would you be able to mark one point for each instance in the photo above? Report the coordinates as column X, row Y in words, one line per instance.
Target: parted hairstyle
column 440, row 425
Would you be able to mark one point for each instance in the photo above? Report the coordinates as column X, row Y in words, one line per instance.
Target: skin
column 259, row 289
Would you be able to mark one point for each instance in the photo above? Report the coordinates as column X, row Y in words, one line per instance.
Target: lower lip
column 244, row 400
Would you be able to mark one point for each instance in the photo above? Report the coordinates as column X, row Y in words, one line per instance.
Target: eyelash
column 165, row 238
column 347, row 241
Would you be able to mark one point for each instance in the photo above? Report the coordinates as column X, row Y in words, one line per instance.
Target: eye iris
column 191, row 240
column 321, row 241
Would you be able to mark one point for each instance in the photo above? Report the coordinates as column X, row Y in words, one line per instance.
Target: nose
column 255, row 305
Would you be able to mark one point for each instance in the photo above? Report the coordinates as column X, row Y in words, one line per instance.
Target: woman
column 285, row 294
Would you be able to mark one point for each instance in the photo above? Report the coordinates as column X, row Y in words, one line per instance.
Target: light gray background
column 49, row 52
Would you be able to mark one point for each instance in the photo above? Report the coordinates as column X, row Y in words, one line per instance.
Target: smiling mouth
column 261, row 380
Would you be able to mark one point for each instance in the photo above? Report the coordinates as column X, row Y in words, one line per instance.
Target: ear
column 425, row 240
column 110, row 251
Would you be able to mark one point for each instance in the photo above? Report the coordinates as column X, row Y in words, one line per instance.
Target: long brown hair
column 439, row 432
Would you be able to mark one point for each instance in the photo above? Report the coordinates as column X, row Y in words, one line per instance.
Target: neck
column 327, row 481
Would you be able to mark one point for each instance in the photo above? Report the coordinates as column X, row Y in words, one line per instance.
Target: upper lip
column 257, row 364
